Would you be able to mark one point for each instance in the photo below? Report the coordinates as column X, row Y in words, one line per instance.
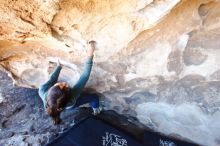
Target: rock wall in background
column 157, row 60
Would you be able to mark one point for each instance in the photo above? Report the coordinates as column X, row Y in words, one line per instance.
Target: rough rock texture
column 24, row 122
column 156, row 59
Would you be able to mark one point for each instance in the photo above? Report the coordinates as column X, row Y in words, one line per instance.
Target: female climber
column 57, row 96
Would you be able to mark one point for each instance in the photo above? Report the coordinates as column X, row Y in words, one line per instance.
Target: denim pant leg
column 92, row 99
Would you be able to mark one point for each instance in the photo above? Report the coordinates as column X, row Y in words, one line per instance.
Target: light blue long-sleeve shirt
column 75, row 90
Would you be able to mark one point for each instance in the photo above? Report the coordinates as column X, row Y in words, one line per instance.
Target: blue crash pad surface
column 96, row 132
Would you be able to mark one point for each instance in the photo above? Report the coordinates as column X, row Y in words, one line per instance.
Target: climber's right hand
column 58, row 62
column 91, row 48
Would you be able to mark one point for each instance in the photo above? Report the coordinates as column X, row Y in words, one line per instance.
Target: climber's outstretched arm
column 51, row 81
column 78, row 87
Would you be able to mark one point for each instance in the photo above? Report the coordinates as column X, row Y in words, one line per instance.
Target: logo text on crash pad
column 111, row 139
column 166, row 143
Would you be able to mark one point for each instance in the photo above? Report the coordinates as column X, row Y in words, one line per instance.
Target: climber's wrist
column 59, row 64
column 91, row 48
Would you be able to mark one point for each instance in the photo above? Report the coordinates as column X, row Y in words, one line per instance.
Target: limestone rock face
column 152, row 55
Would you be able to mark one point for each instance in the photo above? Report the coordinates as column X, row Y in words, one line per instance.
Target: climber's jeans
column 91, row 98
